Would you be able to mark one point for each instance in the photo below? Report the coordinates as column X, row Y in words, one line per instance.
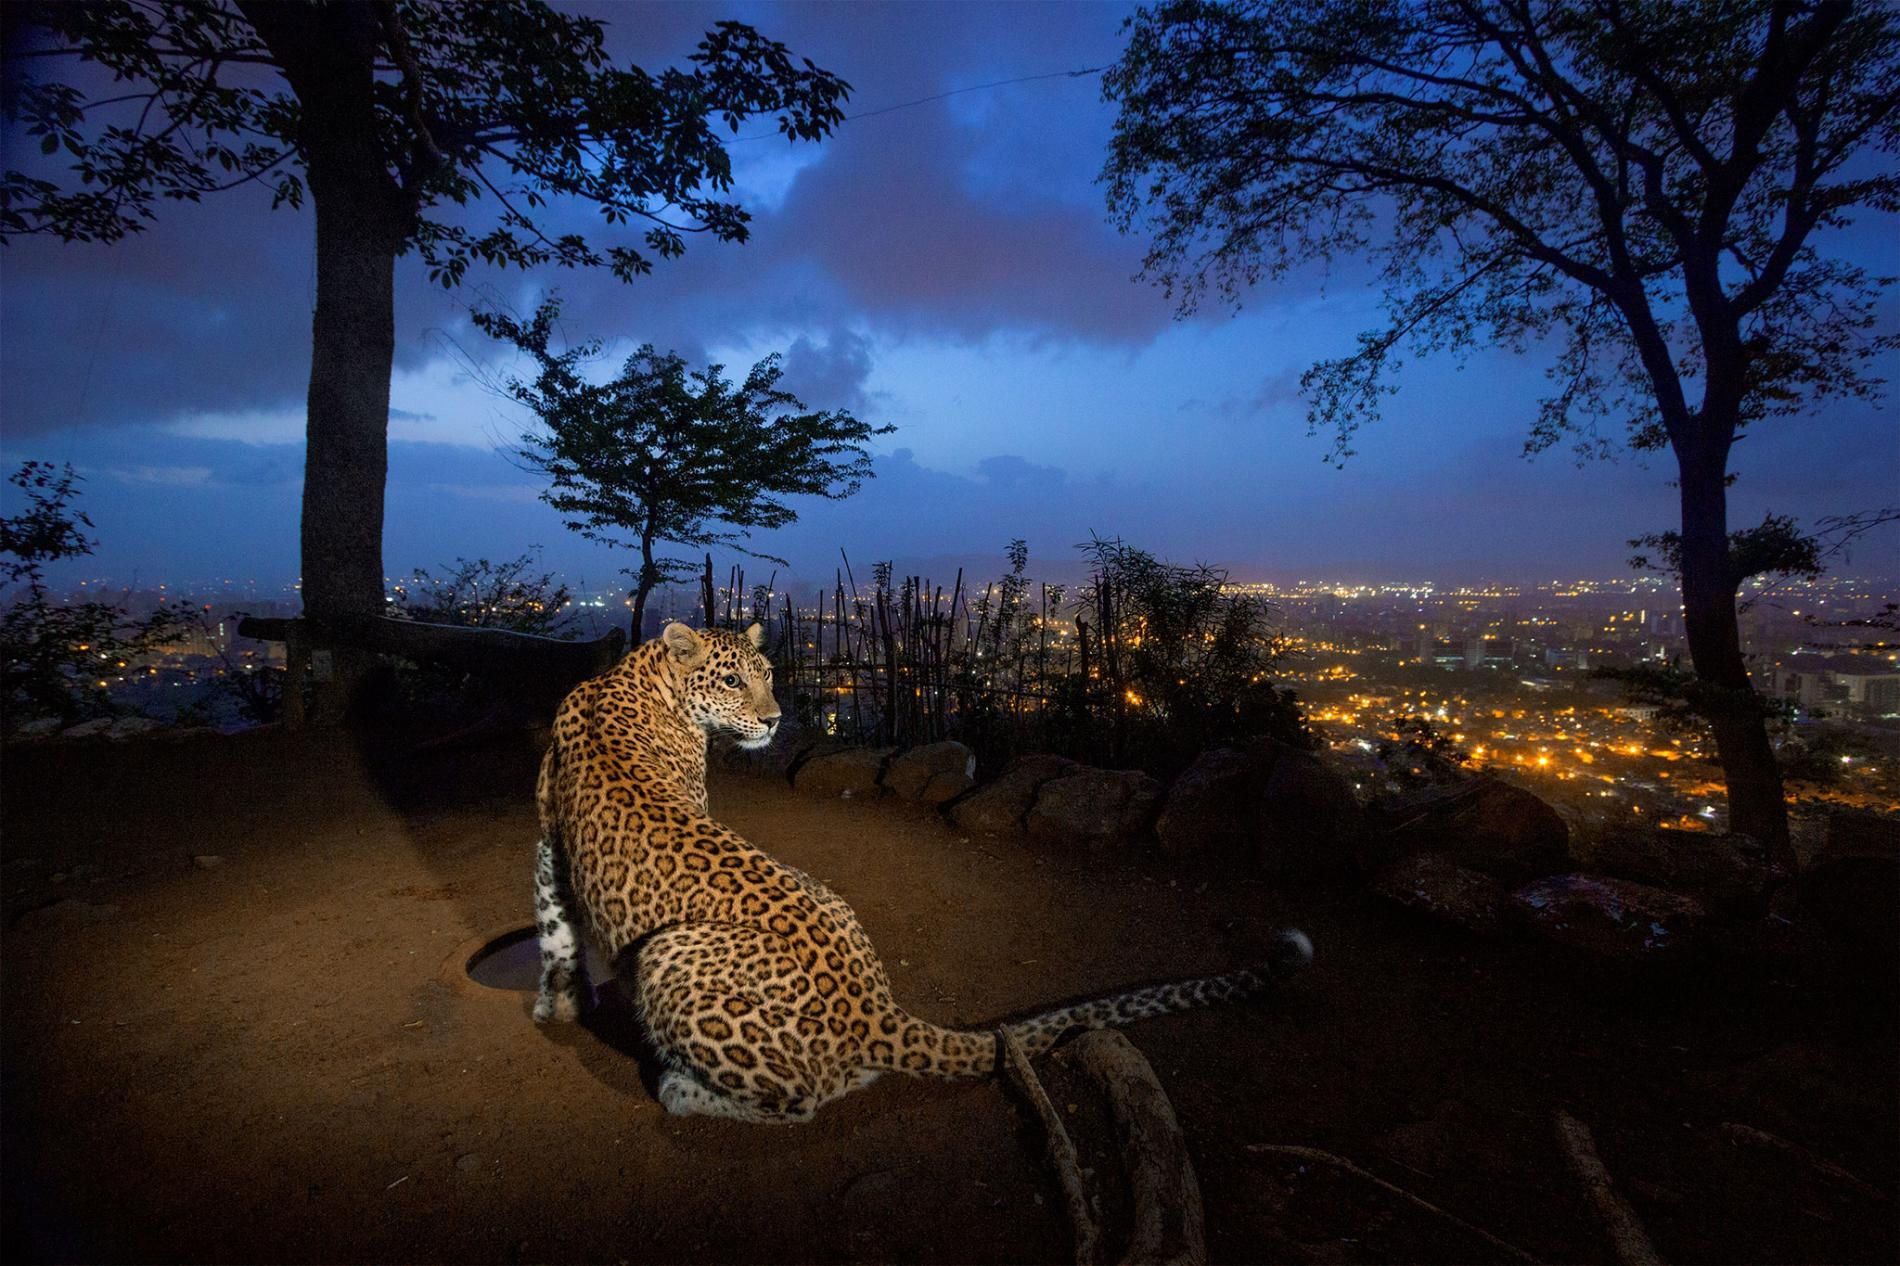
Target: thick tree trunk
column 328, row 54
column 1727, row 697
column 346, row 455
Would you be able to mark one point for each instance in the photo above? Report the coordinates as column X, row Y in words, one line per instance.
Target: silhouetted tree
column 660, row 455
column 1640, row 186
column 385, row 110
column 55, row 656
column 485, row 595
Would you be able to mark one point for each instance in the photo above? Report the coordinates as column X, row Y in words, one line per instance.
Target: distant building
column 1818, row 681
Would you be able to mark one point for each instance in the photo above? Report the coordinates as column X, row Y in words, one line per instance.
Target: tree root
column 1061, row 1149
column 1317, row 1156
column 1625, row 1229
column 1820, row 1165
column 1168, row 1223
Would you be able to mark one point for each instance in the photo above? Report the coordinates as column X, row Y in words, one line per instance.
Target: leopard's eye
column 732, row 679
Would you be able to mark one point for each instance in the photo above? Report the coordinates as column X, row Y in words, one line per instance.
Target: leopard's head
column 726, row 684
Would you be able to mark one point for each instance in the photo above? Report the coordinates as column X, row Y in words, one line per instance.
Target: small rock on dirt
column 853, row 772
column 1093, row 809
column 469, row 1163
column 1613, row 922
column 1433, row 884
column 999, row 807
column 1729, row 873
column 1481, row 824
column 1267, row 805
column 933, row 773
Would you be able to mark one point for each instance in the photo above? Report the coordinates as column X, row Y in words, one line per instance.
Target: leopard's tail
column 925, row 1050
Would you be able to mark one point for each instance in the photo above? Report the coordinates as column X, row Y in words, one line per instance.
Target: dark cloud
column 832, row 375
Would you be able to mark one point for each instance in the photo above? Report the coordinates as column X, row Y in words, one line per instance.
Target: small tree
column 1641, row 187
column 55, row 656
column 660, row 455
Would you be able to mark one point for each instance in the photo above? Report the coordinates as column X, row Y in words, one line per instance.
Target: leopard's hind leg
column 563, row 968
column 717, row 1001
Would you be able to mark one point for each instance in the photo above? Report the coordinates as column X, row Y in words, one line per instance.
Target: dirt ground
column 276, row 1056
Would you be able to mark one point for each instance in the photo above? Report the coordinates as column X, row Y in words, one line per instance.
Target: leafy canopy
column 506, row 100
column 1645, row 184
column 661, row 453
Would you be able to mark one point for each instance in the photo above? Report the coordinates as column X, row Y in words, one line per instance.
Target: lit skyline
column 946, row 267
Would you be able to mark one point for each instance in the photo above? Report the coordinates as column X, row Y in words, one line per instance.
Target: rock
column 39, row 728
column 469, row 1162
column 1211, row 806
column 943, row 770
column 87, row 729
column 1728, row 873
column 1267, row 805
column 1611, row 921
column 945, row 787
column 852, row 772
column 1433, row 884
column 127, row 727
column 1482, row 825
column 1852, row 885
column 1309, row 818
column 1093, row 809
column 1000, row 807
column 208, row 861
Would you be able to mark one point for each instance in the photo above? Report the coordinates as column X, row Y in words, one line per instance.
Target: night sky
column 948, row 268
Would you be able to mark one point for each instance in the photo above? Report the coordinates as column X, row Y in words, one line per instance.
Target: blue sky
column 947, row 268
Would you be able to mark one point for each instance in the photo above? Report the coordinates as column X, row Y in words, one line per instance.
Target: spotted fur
column 762, row 994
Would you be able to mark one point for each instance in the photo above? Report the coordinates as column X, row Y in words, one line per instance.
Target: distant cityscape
column 1505, row 673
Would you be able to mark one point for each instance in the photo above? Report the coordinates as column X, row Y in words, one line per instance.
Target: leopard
column 755, row 983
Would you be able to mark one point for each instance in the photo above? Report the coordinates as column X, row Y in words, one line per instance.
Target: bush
column 52, row 653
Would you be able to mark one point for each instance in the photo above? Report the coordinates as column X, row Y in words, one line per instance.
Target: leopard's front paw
column 557, row 1008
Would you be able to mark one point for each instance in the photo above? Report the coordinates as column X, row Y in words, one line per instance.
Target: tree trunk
column 346, row 456
column 1726, row 697
column 642, row 587
column 328, row 54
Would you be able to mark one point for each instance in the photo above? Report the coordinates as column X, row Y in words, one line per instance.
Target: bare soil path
column 275, row 1056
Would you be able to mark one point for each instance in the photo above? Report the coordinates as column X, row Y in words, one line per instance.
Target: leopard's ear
column 687, row 646
column 756, row 635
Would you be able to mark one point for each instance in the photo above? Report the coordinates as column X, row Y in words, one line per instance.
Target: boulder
column 1266, row 805
column 87, row 729
column 945, row 787
column 1611, row 922
column 128, row 727
column 999, row 807
column 1728, row 873
column 1211, row 806
column 1481, row 824
column 1093, row 809
column 1309, row 819
column 1431, row 883
column 852, row 773
column 1851, row 885
column 38, row 728
column 933, row 774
